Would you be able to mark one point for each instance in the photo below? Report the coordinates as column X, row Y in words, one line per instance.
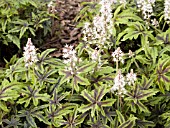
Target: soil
column 65, row 31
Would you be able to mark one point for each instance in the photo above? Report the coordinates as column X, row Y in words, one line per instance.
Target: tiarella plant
column 117, row 77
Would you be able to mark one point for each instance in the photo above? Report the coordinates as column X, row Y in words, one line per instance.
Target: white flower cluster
column 118, row 55
column 119, row 84
column 30, row 56
column 120, row 81
column 131, row 54
column 120, row 1
column 155, row 22
column 95, row 56
column 167, row 10
column 146, row 7
column 69, row 55
column 101, row 27
column 131, row 78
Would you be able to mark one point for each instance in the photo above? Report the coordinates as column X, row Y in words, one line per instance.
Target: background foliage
column 22, row 19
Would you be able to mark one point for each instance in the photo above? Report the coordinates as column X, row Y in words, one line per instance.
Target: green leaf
column 33, row 3
column 131, row 33
column 15, row 29
column 130, row 123
column 125, row 16
column 32, row 31
column 80, row 48
column 105, row 70
column 142, row 107
column 15, row 40
column 144, row 123
column 44, row 19
column 85, row 108
column 118, row 9
column 153, row 51
column 108, row 102
column 67, row 75
column 146, row 83
column 163, row 77
column 86, row 68
column 121, row 118
column 9, row 90
column 142, row 59
column 145, row 94
column 45, row 53
column 3, row 106
column 95, row 99
column 166, row 116
column 40, row 117
column 120, row 36
column 31, row 121
column 22, row 31
column 24, row 100
column 87, row 96
column 32, row 94
column 43, row 77
column 164, row 50
column 3, row 24
column 81, row 80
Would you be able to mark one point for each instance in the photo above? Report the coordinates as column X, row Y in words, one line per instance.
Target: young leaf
column 95, row 99
column 137, row 96
column 32, row 94
column 73, row 119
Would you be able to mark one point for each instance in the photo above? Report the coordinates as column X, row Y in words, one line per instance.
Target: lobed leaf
column 121, row 118
column 86, row 68
column 130, row 123
column 145, row 94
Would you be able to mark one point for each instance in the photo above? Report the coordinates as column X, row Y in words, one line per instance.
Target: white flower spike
column 30, row 56
column 131, row 78
column 119, row 84
column 167, row 10
column 117, row 55
column 100, row 29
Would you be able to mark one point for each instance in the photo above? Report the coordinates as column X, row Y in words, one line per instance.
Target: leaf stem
column 136, row 64
column 117, row 66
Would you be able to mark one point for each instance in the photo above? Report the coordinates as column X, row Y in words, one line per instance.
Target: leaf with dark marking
column 86, row 68
column 121, row 118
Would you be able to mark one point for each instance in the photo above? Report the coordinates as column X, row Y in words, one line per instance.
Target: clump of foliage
column 117, row 77
column 22, row 19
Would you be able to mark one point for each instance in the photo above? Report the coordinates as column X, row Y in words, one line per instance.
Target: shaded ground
column 65, row 27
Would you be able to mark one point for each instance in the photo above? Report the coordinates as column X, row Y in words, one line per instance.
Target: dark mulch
column 65, row 27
